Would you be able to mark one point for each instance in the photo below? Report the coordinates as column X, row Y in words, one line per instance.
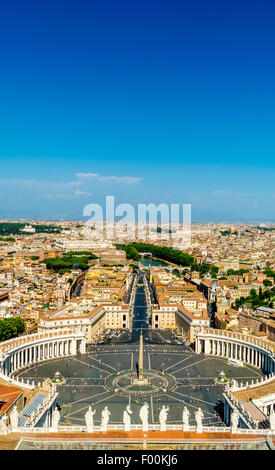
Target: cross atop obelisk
column 140, row 358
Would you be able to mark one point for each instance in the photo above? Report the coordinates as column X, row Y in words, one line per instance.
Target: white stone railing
column 137, row 427
column 19, row 382
column 14, row 343
column 258, row 383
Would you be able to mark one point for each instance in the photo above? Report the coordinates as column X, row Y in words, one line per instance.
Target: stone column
column 254, row 357
column 83, row 346
column 73, row 347
column 206, row 346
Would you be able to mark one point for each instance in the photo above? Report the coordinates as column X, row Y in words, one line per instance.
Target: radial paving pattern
column 193, row 376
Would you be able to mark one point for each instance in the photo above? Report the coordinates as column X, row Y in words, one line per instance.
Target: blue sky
column 147, row 101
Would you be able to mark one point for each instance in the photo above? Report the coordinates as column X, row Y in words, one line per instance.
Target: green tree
column 11, row 327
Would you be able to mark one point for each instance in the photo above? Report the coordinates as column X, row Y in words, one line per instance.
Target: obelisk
column 140, row 358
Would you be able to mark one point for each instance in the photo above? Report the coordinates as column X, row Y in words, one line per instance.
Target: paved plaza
column 85, row 382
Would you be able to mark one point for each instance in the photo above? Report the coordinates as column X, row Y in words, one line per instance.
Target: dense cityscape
column 83, row 323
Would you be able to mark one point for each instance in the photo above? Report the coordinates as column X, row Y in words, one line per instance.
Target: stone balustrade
column 138, row 427
column 257, row 383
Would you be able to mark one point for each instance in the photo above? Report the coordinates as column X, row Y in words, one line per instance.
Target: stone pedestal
column 199, row 429
column 140, row 381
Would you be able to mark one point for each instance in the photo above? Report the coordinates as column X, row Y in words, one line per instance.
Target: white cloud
column 116, row 179
column 87, row 175
column 61, row 189
column 120, row 179
column 82, row 193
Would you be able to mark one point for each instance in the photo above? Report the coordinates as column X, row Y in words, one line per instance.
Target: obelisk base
column 143, row 381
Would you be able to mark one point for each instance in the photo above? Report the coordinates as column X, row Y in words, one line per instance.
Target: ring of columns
column 248, row 349
column 25, row 351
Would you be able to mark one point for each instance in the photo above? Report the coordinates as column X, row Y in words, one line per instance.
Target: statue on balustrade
column 3, row 426
column 143, row 414
column 127, row 418
column 199, row 417
column 163, row 417
column 234, row 418
column 272, row 418
column 14, row 418
column 89, row 419
column 55, row 419
column 105, row 416
column 185, row 419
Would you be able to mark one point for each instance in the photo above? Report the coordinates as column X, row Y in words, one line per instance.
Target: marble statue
column 127, row 418
column 163, row 417
column 89, row 418
column 199, row 418
column 272, row 419
column 143, row 414
column 14, row 418
column 105, row 416
column 185, row 419
column 234, row 419
column 3, row 426
column 55, row 419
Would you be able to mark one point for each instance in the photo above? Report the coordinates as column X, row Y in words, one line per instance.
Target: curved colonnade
column 28, row 350
column 32, row 349
column 250, row 350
